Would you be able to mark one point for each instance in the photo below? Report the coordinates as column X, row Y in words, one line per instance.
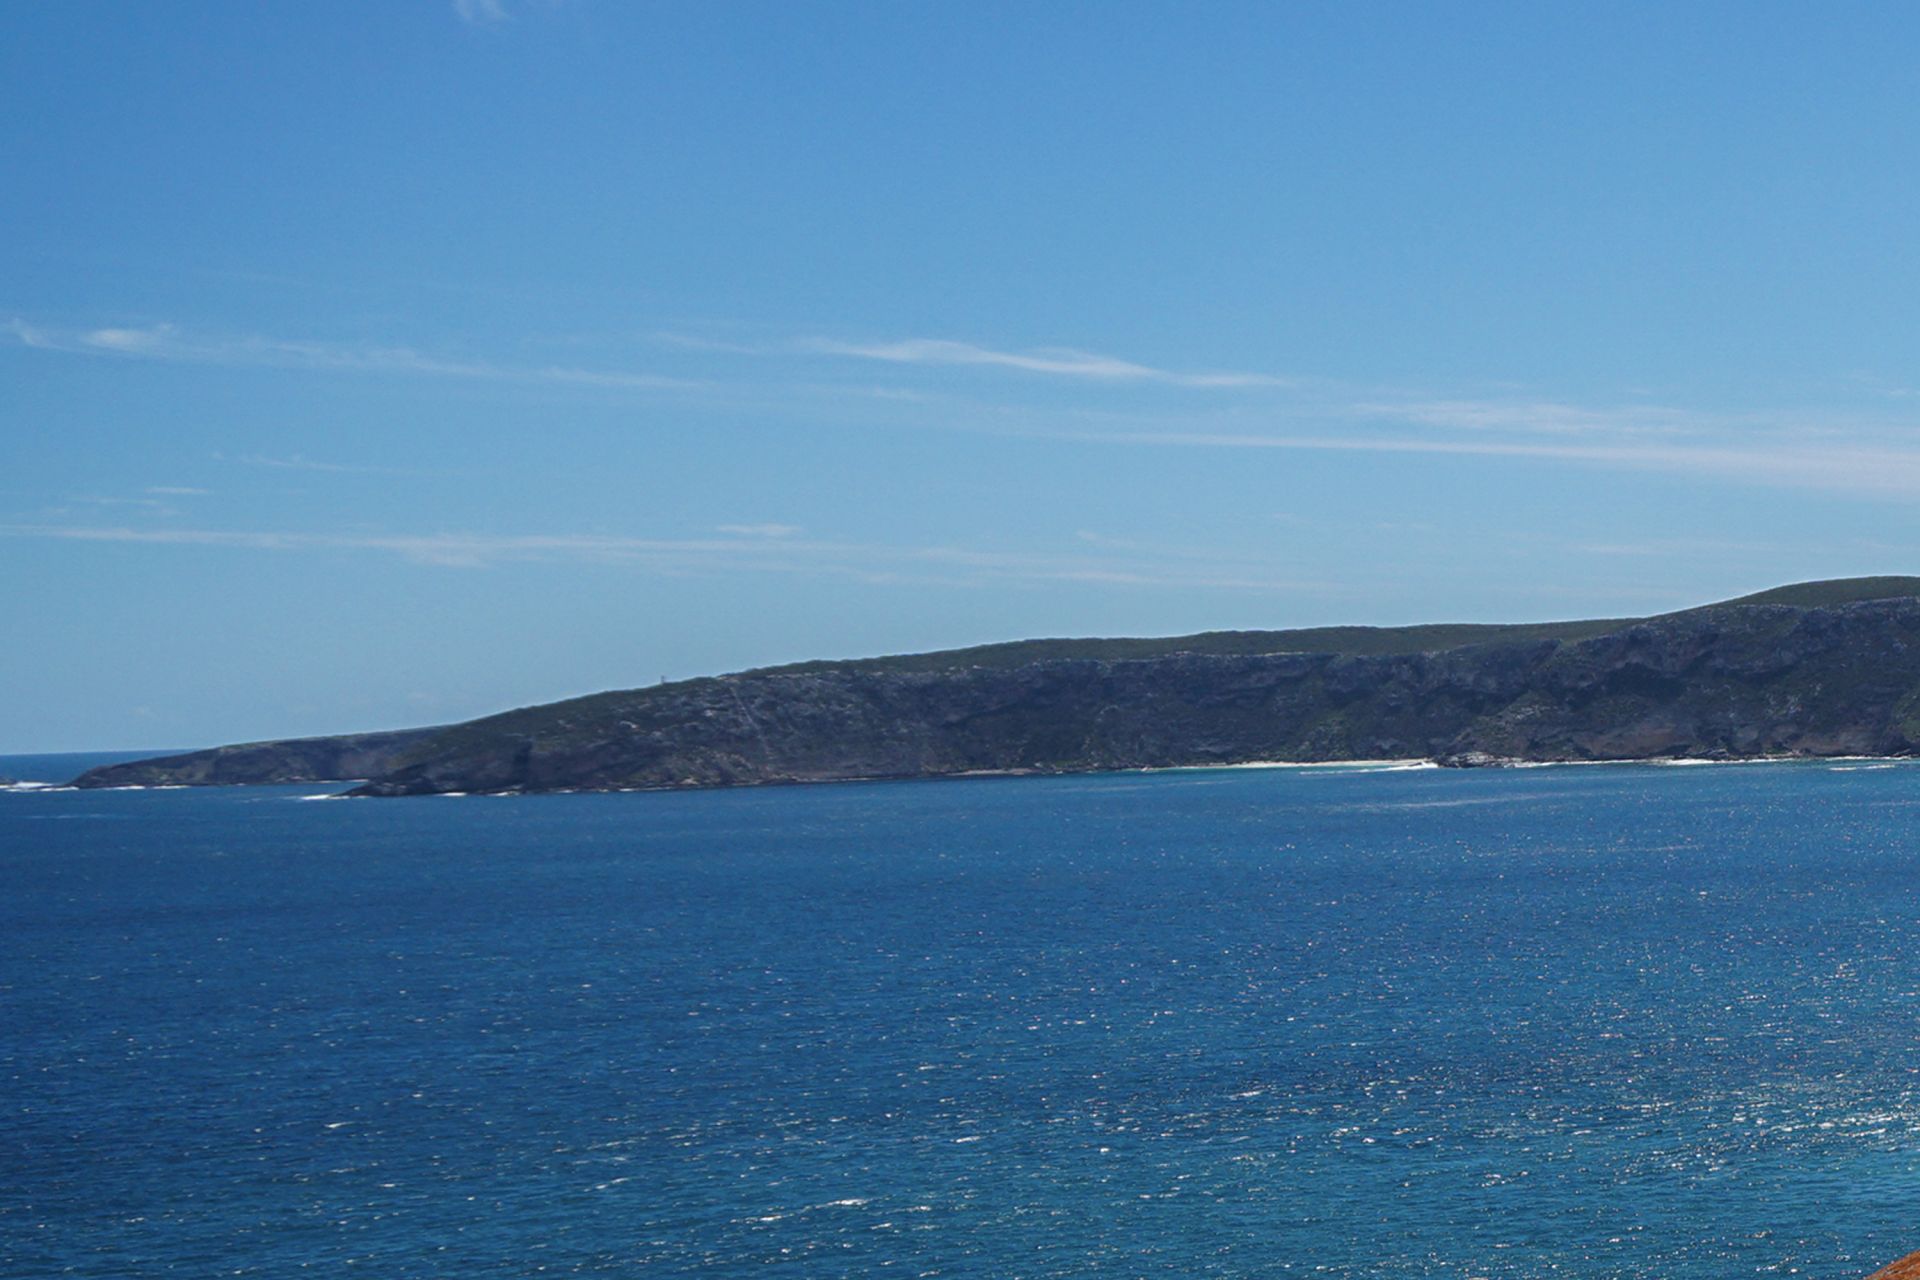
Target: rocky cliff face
column 338, row 759
column 1728, row 683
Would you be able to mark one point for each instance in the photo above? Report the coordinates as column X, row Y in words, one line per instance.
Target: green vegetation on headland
column 1834, row 591
column 1817, row 669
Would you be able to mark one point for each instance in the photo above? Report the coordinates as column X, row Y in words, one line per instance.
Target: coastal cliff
column 1822, row 669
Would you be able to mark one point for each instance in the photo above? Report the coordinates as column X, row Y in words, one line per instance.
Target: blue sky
column 388, row 363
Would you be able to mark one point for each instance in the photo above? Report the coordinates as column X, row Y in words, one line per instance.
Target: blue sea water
column 1580, row 1022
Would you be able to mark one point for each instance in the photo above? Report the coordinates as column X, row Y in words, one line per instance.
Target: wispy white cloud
column 1831, row 452
column 98, row 503
column 1783, row 458
column 1544, row 417
column 759, row 530
column 294, row 463
column 28, row 335
column 300, row 462
column 177, row 491
column 1060, row 362
column 133, row 342
column 699, row 342
column 480, row 13
column 171, row 343
column 1687, row 548
column 873, row 563
column 1056, row 361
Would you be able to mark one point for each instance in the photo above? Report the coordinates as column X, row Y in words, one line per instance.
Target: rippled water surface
column 1584, row 1022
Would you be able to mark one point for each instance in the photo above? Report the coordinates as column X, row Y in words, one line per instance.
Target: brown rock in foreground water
column 1908, row 1268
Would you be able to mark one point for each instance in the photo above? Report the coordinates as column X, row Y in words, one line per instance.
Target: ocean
column 1606, row 1022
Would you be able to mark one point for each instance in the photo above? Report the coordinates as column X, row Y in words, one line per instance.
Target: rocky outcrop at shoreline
column 335, row 759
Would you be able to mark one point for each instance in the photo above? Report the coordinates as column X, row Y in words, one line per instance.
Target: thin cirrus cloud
column 167, row 342
column 755, row 553
column 1544, row 417
column 1052, row 361
column 768, row 530
column 1810, row 459
column 480, row 13
column 1874, row 458
column 295, row 462
column 300, row 462
column 1870, row 458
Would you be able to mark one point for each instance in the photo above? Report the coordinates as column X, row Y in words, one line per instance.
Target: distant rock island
column 1817, row 669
